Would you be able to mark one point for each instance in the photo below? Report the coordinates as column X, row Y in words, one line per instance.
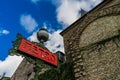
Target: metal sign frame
column 36, row 51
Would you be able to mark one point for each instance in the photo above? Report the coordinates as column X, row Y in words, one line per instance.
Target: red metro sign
column 38, row 52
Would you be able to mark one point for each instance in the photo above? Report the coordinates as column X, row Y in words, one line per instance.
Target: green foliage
column 5, row 78
column 63, row 72
column 16, row 43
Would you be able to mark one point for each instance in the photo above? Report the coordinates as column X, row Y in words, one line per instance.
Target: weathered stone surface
column 24, row 71
column 100, row 29
column 93, row 43
column 103, row 63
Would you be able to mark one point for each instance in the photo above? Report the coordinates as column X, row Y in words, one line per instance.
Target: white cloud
column 28, row 22
column 68, row 11
column 95, row 2
column 4, row 32
column 9, row 65
column 35, row 1
column 55, row 42
column 33, row 37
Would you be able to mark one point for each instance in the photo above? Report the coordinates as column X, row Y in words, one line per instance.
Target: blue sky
column 28, row 16
column 11, row 13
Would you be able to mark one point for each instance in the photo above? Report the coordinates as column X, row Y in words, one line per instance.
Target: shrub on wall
column 63, row 72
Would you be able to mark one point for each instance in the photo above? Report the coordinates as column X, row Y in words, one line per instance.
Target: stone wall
column 24, row 71
column 100, row 48
column 100, row 29
column 102, row 62
column 93, row 43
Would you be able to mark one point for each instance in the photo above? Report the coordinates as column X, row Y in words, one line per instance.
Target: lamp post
column 42, row 36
